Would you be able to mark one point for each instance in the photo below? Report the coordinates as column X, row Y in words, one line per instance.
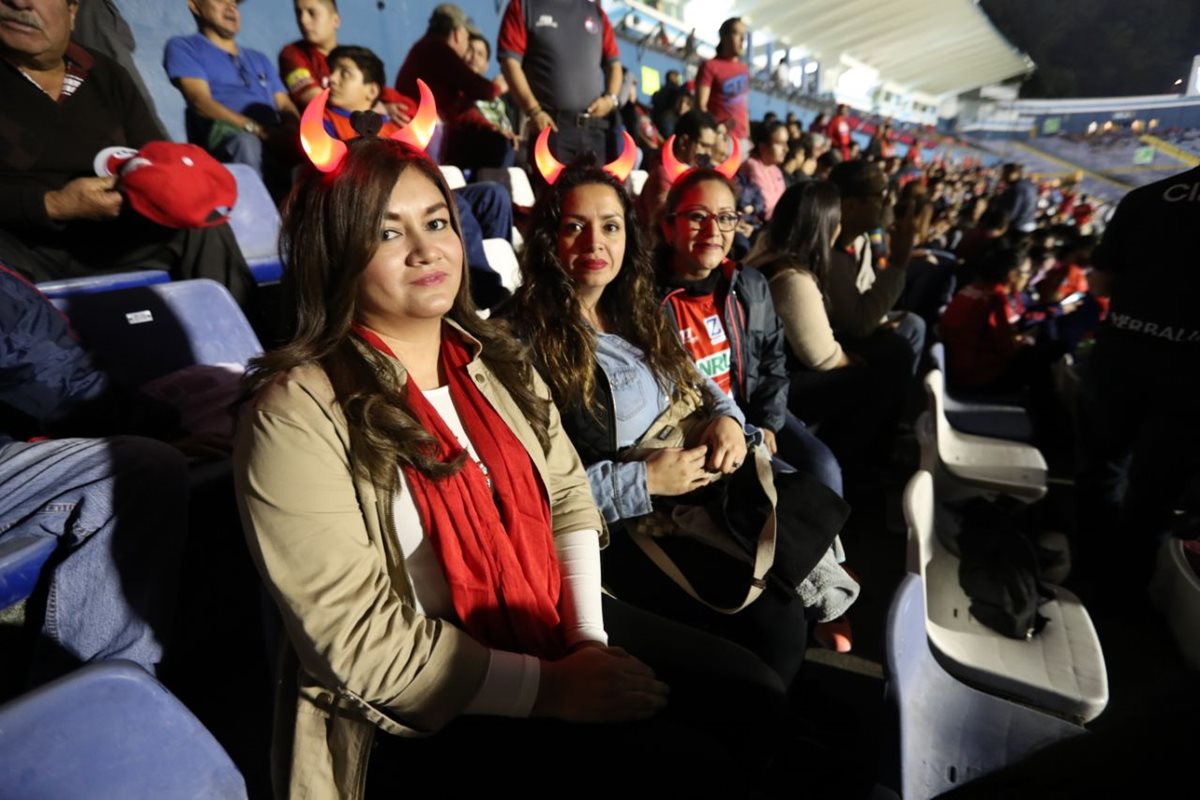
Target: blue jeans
column 911, row 329
column 800, row 448
column 241, row 148
column 118, row 507
column 485, row 212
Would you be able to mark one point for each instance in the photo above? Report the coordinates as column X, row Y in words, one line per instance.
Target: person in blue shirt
column 236, row 100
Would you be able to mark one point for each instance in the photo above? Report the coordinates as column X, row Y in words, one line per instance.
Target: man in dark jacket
column 1019, row 200
column 63, row 104
column 116, row 505
column 1139, row 434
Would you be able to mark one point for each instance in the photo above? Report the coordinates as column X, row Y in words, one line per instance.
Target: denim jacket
column 619, row 487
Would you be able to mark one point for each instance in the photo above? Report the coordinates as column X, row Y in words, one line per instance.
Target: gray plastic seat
column 999, row 417
column 951, row 733
column 1060, row 670
column 990, row 464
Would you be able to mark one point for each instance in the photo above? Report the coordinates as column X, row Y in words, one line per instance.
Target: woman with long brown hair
column 416, row 511
column 587, row 306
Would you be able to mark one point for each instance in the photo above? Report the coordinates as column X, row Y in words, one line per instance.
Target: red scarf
column 495, row 542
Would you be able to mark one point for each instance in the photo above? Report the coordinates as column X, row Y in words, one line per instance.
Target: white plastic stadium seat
column 1059, row 671
column 637, row 179
column 522, row 190
column 503, row 260
column 951, row 733
column 1000, row 417
column 993, row 465
column 453, row 175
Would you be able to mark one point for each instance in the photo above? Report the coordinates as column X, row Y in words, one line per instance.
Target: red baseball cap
column 175, row 185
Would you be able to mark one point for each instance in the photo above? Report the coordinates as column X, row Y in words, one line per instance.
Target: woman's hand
column 673, row 471
column 726, row 443
column 769, row 440
column 599, row 684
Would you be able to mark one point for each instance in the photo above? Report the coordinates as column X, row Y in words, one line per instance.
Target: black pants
column 773, row 627
column 721, row 729
column 1138, row 446
column 566, row 144
column 857, row 407
column 471, row 147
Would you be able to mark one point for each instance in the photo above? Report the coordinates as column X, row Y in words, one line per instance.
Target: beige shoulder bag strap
column 764, row 555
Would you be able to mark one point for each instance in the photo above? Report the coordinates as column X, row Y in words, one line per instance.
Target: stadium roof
column 932, row 46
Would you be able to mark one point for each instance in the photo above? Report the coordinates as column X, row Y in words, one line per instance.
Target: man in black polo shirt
column 561, row 62
column 1139, row 431
column 63, row 104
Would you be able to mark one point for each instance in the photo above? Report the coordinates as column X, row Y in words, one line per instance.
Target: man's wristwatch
column 251, row 127
column 613, row 99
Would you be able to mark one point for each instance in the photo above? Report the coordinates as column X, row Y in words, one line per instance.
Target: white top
column 510, row 687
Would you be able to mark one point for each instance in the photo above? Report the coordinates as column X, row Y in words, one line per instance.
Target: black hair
column 365, row 59
column 727, row 26
column 764, row 132
column 853, row 178
column 999, row 261
column 476, row 36
column 693, row 122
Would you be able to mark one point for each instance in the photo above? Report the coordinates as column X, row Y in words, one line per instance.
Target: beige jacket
column 800, row 306
column 323, row 539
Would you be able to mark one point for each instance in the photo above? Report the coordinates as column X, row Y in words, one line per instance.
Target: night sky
column 1095, row 48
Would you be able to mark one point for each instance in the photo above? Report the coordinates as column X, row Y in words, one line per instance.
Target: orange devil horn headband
column 326, row 152
column 551, row 167
column 675, row 169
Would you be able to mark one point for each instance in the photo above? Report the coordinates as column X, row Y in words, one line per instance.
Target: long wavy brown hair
column 331, row 230
column 548, row 311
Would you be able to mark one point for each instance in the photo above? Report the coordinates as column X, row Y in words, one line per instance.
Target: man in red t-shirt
column 839, row 132
column 723, row 83
column 302, row 64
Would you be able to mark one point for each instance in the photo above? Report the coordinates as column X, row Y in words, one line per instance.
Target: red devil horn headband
column 551, row 167
column 326, row 152
column 675, row 169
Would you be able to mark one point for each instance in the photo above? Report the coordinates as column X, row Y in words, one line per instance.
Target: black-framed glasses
column 726, row 220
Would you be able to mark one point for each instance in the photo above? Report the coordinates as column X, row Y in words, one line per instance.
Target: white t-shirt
column 511, row 685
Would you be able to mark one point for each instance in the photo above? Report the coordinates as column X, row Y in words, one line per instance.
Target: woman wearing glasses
column 587, row 306
column 725, row 316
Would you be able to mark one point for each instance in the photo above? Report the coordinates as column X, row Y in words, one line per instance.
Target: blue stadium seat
column 21, row 562
column 109, row 730
column 255, row 222
column 144, row 333
column 1001, row 417
column 102, row 283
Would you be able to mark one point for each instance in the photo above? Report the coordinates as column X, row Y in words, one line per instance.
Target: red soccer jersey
column 839, row 134
column 703, row 336
column 980, row 339
column 730, row 97
column 302, row 66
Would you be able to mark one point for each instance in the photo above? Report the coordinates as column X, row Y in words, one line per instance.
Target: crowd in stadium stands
column 434, row 497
